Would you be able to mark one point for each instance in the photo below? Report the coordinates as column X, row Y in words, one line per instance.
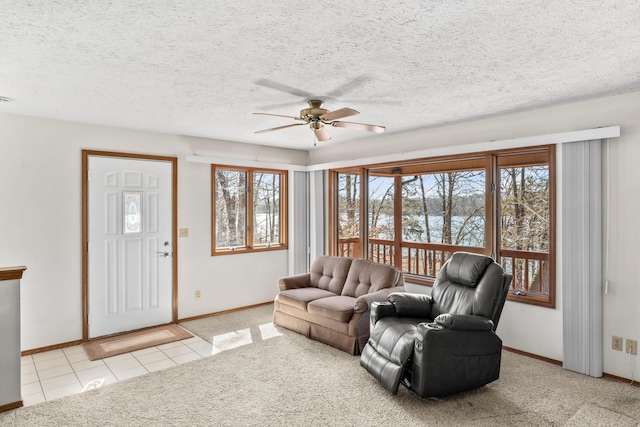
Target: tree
column 348, row 205
column 381, row 191
column 524, row 202
column 266, row 204
column 230, row 207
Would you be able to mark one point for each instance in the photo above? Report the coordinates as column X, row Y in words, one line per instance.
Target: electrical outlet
column 632, row 347
column 616, row 343
column 199, row 294
column 184, row 232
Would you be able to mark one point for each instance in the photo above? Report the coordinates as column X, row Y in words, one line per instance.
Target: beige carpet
column 286, row 379
column 112, row 346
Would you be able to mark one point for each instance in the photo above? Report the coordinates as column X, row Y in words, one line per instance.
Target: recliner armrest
column 411, row 305
column 380, row 309
column 293, row 282
column 464, row 322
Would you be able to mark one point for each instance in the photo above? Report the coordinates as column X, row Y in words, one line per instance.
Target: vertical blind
column 582, row 257
column 300, row 243
column 317, row 210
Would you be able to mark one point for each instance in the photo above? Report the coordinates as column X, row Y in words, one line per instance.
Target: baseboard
column 621, row 379
column 559, row 363
column 51, row 347
column 9, row 406
column 533, row 356
column 217, row 313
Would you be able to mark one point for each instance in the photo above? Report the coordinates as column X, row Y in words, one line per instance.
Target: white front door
column 129, row 240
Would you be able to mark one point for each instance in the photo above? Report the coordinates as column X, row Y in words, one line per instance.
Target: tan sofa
column 331, row 303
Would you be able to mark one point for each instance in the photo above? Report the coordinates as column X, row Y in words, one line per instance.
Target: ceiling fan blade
column 283, row 88
column 338, row 114
column 322, row 134
column 350, row 85
column 359, row 126
column 281, row 105
column 279, row 127
column 278, row 115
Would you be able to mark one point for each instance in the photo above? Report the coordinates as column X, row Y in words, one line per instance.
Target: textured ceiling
column 202, row 67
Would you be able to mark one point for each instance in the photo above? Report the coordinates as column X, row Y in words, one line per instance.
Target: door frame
column 85, row 228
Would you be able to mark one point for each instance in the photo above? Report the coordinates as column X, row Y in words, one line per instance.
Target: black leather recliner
column 443, row 343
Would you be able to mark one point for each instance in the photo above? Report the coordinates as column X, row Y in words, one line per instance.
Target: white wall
column 40, row 219
column 40, row 222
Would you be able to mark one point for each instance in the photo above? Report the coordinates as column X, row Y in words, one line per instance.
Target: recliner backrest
column 470, row 284
column 330, row 272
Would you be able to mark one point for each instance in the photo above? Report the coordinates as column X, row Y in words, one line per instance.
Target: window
column 525, row 223
column 420, row 212
column 348, row 218
column 249, row 209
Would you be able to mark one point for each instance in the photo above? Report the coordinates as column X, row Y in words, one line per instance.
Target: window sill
column 220, row 252
column 540, row 301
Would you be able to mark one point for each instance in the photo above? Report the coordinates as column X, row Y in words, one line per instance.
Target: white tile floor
column 57, row 373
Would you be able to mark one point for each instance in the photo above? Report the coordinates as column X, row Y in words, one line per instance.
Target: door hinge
column 493, row 187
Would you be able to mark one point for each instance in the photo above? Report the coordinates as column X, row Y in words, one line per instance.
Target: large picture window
column 420, row 212
column 249, row 209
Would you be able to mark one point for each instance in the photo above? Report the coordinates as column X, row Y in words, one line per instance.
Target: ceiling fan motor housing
column 315, row 111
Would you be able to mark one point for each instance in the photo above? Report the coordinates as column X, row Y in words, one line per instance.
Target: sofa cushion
column 300, row 297
column 337, row 307
column 366, row 276
column 329, row 273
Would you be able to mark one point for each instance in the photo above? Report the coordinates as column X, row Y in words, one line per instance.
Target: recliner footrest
column 387, row 351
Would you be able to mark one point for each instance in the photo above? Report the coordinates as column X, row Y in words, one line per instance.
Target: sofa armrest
column 463, row 322
column 293, row 282
column 363, row 302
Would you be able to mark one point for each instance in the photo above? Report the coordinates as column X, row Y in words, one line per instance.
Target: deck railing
column 530, row 270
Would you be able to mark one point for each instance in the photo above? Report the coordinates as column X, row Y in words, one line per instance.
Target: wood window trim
column 249, row 247
column 494, row 160
column 549, row 301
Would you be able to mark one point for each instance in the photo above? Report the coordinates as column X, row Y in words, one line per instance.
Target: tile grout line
column 74, row 372
column 35, row 370
column 191, row 352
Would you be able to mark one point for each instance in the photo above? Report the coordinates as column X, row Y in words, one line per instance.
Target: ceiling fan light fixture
column 317, row 117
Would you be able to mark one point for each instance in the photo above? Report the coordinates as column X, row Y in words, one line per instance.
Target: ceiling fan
column 317, row 117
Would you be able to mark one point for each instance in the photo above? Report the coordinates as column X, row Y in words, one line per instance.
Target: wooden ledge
column 11, row 273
